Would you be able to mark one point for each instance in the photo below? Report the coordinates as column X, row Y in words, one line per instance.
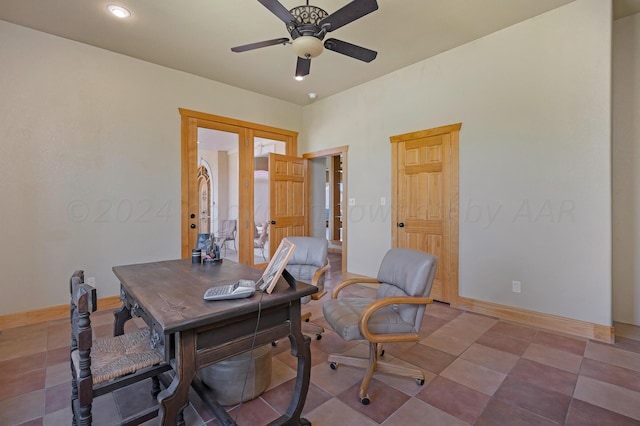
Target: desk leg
column 121, row 315
column 301, row 348
column 176, row 397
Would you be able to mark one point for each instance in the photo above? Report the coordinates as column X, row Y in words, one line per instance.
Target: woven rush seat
column 117, row 356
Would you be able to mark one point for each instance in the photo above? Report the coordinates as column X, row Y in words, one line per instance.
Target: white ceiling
column 195, row 36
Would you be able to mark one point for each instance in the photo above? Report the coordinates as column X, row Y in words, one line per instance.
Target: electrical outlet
column 516, row 286
column 91, row 281
column 383, row 201
column 352, row 201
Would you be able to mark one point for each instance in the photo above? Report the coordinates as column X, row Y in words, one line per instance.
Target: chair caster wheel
column 318, row 336
column 274, row 344
column 365, row 400
column 420, row 381
column 333, row 365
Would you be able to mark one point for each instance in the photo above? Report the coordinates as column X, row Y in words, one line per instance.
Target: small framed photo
column 275, row 267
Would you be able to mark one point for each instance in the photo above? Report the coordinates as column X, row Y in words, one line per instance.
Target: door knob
column 193, row 216
column 193, row 226
column 273, row 222
column 401, row 225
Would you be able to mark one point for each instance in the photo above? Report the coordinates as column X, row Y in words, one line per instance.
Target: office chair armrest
column 315, row 279
column 345, row 283
column 381, row 303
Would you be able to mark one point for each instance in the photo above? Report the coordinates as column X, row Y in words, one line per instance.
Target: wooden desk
column 194, row 333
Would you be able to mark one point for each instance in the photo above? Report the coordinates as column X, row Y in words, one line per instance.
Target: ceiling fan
column 307, row 25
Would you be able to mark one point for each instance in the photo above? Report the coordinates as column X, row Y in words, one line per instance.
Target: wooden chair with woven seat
column 104, row 365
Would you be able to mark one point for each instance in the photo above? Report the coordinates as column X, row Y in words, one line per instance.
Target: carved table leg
column 176, row 397
column 121, row 316
column 301, row 348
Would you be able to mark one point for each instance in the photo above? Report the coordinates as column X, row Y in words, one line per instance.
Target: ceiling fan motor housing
column 308, row 15
column 306, row 32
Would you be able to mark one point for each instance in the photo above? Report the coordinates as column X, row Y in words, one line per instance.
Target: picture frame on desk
column 277, row 264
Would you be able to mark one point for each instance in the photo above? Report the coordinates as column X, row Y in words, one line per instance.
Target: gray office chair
column 308, row 264
column 395, row 315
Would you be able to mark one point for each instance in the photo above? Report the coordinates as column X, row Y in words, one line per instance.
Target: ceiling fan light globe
column 307, row 46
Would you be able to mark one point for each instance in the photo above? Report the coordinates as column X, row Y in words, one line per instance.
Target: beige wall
column 535, row 176
column 626, row 170
column 90, row 161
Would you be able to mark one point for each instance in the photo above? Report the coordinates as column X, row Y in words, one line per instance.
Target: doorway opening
column 328, row 192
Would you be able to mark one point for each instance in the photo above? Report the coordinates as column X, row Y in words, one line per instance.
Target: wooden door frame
column 190, row 121
column 331, row 152
column 454, row 195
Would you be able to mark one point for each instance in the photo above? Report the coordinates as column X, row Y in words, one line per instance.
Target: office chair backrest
column 309, row 256
column 406, row 272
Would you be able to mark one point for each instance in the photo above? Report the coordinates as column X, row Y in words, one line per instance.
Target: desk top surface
column 171, row 291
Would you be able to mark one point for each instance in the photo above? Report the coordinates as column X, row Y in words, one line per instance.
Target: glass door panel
column 218, row 156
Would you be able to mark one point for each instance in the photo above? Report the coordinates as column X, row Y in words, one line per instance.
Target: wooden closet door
column 423, row 205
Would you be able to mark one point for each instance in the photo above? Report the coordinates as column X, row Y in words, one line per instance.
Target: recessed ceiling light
column 299, row 77
column 118, row 11
column 312, row 95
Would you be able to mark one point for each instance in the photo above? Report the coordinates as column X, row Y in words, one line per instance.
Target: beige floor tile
column 22, row 408
column 336, row 381
column 553, row 357
column 57, row 374
column 406, row 385
column 447, row 341
column 416, row 412
column 615, row 398
column 612, row 355
column 491, row 358
column 466, row 327
column 280, row 373
column 334, row 412
column 475, row 376
column 475, row 321
column 58, row 418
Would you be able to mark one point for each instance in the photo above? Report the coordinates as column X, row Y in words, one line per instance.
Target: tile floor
column 480, row 371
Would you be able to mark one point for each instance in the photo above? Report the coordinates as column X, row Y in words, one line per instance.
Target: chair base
column 373, row 365
column 307, row 325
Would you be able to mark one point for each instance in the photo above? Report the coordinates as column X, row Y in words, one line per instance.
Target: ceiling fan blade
column 279, row 10
column 349, row 13
column 357, row 52
column 259, row 44
column 303, row 67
